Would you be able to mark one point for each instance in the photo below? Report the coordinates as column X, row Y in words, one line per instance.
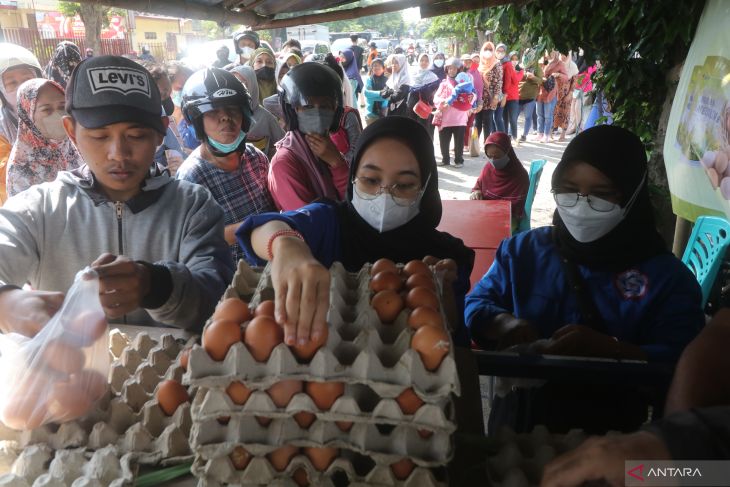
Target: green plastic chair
column 706, row 250
column 536, row 168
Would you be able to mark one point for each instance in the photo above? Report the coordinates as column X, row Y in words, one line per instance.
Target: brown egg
column 430, row 260
column 23, row 413
column 304, row 419
column 67, row 401
column 409, row 401
column 282, row 392
column 240, row 457
column 416, row 267
column 403, row 468
column 266, row 308
column 238, row 392
column 383, row 265
column 170, row 394
column 425, row 317
column 386, row 280
column 324, row 394
column 219, row 336
column 432, row 344
column 263, row 420
column 388, row 305
column 322, row 457
column 300, row 477
column 63, row 357
column 306, row 352
column 25, row 408
column 421, row 280
column 185, row 358
column 224, row 420
column 421, row 296
column 86, row 328
column 344, row 425
column 232, row 309
column 280, row 458
column 91, row 381
column 425, row 434
column 262, row 335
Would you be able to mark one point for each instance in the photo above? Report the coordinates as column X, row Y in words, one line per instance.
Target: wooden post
column 682, row 230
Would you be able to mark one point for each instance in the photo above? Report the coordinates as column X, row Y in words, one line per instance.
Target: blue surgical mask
column 438, row 63
column 176, row 96
column 228, row 148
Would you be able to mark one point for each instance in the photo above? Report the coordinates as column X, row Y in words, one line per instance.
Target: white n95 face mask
column 588, row 225
column 382, row 213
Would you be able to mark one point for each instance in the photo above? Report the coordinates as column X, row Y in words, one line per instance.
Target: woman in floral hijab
column 63, row 62
column 42, row 147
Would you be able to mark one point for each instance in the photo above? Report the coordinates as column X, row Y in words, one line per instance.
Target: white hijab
column 402, row 77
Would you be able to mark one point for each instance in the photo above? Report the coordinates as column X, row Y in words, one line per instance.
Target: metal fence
column 43, row 48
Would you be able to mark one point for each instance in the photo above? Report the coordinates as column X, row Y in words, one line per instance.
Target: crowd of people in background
column 266, row 159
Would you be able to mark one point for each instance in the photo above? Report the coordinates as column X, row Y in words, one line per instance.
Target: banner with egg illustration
column 697, row 144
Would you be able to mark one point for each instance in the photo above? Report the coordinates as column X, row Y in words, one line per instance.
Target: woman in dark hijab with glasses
column 391, row 210
column 599, row 283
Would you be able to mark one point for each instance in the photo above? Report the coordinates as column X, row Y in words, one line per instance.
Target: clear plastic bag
column 59, row 374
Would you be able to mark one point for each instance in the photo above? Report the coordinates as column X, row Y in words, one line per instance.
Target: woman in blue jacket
column 599, row 283
column 391, row 210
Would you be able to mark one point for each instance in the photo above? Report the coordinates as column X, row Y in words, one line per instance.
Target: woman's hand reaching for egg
column 301, row 289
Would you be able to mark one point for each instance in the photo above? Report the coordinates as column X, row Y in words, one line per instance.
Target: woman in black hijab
column 599, row 283
column 398, row 223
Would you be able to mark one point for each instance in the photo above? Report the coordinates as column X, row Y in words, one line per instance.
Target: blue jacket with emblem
column 656, row 304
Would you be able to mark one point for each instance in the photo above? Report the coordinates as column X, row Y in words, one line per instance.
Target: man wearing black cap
column 156, row 243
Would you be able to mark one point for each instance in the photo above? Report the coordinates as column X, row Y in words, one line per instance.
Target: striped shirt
column 241, row 193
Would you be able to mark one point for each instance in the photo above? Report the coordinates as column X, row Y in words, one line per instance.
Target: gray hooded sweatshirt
column 51, row 231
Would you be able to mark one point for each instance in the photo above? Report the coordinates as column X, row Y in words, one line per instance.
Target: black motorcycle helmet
column 249, row 34
column 212, row 88
column 308, row 80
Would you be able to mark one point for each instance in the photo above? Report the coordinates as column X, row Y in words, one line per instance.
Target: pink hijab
column 36, row 159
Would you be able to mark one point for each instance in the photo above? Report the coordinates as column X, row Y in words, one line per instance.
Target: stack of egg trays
column 375, row 362
column 41, row 466
column 348, row 468
column 128, row 417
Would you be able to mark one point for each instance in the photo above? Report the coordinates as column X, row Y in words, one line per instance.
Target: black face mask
column 168, row 106
column 265, row 73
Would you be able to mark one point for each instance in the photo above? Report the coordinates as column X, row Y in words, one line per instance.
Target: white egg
column 708, row 158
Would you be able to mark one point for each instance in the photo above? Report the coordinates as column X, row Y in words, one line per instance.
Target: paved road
column 457, row 183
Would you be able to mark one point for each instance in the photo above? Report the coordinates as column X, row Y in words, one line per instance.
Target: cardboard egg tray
column 359, row 349
column 349, row 468
column 359, row 404
column 128, row 417
column 41, row 466
column 387, row 442
column 518, row 460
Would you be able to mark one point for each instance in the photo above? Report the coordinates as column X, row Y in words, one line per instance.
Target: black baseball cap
column 104, row 90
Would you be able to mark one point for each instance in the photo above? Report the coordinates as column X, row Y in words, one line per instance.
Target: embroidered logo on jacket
column 632, row 284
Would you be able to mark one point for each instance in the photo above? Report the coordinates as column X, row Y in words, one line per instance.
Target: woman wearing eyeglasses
column 600, row 282
column 391, row 210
